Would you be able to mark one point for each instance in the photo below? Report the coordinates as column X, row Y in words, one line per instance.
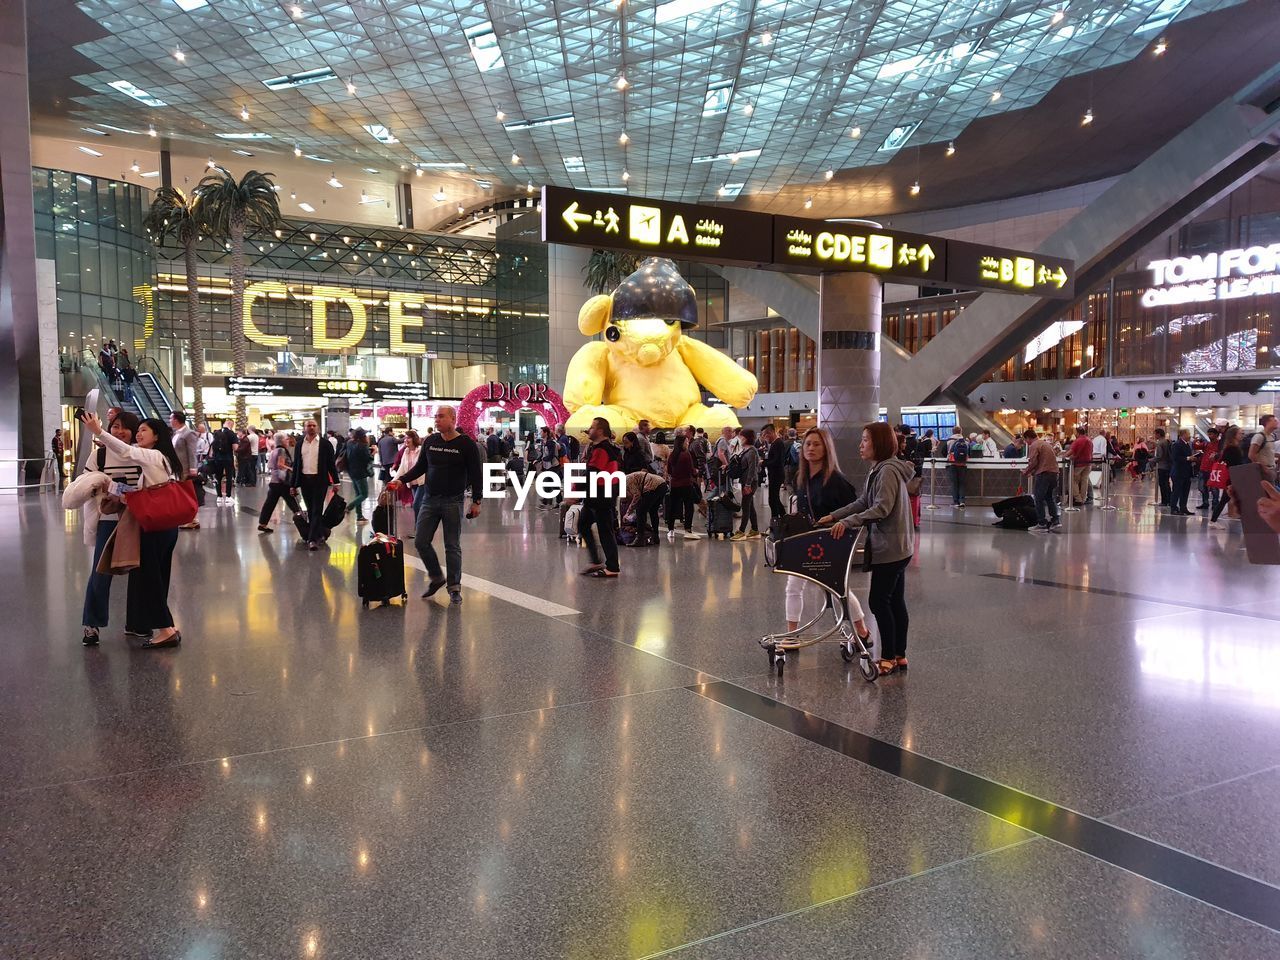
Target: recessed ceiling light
column 335, row 183
column 189, row 5
column 380, row 133
column 370, row 199
column 307, row 207
column 368, row 169
column 515, row 157
column 318, row 159
column 129, row 90
column 150, row 173
column 242, row 153
column 483, row 42
column 829, row 174
column 300, row 79
column 441, row 165
column 90, row 151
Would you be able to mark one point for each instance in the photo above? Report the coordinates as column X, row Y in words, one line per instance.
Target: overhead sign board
column 654, row 227
column 1228, row 385
column 731, row 235
column 825, row 246
column 349, row 388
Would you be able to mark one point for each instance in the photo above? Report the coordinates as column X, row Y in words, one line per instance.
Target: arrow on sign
column 1060, row 278
column 572, row 217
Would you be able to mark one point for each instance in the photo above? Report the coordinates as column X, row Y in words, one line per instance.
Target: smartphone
column 1261, row 543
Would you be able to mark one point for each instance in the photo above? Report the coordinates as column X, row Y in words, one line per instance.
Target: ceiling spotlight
column 499, row 116
column 210, row 164
column 515, row 157
column 625, row 176
column 334, row 182
column 292, row 195
column 297, row 151
column 621, row 83
column 244, row 113
column 808, row 203
column 295, row 11
column 995, row 95
column 1087, row 118
column 624, row 139
column 855, row 133
column 721, row 192
column 351, row 88
column 951, row 148
column 135, row 168
column 440, row 196
column 179, row 55
column 528, row 187
column 748, row 110
column 1161, row 46
column 1058, row 17
column 829, row 174
column 915, row 189
column 766, row 38
column 418, row 172
column 151, row 131
column 459, row 211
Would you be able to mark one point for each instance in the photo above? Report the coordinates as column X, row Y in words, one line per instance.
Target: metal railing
column 48, row 474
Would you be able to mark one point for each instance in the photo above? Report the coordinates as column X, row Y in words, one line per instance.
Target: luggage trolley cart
column 820, row 558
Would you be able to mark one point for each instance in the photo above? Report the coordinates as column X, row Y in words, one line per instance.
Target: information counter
column 986, row 480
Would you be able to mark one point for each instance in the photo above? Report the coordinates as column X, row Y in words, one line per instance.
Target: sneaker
column 433, row 586
column 1037, row 529
column 740, row 535
column 90, row 638
column 960, row 506
column 692, row 536
column 754, row 535
column 671, row 535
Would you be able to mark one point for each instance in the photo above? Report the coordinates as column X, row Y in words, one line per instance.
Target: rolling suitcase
column 719, row 518
column 1015, row 513
column 380, row 566
column 516, row 465
column 384, row 514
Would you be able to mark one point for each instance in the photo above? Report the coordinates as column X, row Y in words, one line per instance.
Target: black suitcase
column 516, row 465
column 380, row 570
column 1015, row 513
column 719, row 517
column 384, row 519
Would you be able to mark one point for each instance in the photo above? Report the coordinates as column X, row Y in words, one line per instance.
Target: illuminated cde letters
column 875, row 250
column 548, row 485
column 1227, row 275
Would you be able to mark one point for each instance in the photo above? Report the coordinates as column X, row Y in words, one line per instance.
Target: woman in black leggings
column 1232, row 455
column 885, row 509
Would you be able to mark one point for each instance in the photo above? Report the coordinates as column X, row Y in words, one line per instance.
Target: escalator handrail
column 150, row 368
column 101, row 381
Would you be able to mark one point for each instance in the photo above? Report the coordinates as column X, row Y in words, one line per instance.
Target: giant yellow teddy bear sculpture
column 644, row 369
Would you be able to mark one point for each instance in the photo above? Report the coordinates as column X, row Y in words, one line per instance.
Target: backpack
column 735, row 467
column 958, row 453
column 793, row 455
column 575, row 448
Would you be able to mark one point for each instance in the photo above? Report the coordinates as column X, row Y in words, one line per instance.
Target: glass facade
column 523, row 294
column 91, row 229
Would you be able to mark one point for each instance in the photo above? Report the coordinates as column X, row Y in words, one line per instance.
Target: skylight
column 129, row 90
column 575, row 165
column 717, row 98
column 107, row 126
column 242, row 153
column 441, row 165
column 680, row 9
column 244, row 136
column 300, row 79
column 540, row 122
column 731, row 190
column 898, row 136
column 732, row 157
column 484, row 46
column 189, row 5
column 307, row 207
column 380, row 133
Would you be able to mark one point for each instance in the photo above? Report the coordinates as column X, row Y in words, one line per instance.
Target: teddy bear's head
column 644, row 317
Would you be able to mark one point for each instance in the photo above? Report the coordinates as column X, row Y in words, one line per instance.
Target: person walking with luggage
column 957, row 459
column 1042, row 469
column 359, row 465
column 147, row 605
column 451, row 463
column 222, row 450
column 100, row 510
column 409, row 454
column 750, row 480
column 1181, row 455
column 279, row 476
column 820, row 490
column 314, row 474
column 890, row 541
column 188, row 449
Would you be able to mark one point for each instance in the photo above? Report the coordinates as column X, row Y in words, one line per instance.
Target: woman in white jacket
column 409, row 454
column 147, row 612
column 88, row 493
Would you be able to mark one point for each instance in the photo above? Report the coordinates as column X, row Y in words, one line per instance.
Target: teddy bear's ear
column 594, row 315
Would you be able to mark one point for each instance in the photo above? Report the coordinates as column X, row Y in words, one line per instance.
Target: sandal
column 901, row 663
column 886, row 667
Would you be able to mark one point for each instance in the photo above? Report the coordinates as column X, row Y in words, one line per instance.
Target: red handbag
column 1219, row 475
column 165, row 506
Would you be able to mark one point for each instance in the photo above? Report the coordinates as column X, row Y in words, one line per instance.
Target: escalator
column 111, row 392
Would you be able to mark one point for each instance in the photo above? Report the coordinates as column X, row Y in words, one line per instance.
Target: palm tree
column 607, row 268
column 174, row 215
column 231, row 209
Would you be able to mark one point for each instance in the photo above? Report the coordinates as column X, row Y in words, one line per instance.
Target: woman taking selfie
column 885, row 509
column 820, row 489
column 147, row 609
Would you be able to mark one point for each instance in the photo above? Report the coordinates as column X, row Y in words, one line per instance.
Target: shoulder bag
column 164, row 506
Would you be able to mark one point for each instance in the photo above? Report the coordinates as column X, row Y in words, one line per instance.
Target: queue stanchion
column 1071, row 488
column 933, row 482
column 1106, row 486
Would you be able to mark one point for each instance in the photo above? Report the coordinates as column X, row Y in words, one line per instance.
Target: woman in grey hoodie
column 885, row 509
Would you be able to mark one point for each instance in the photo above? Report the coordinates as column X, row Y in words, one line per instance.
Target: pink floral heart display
column 544, row 401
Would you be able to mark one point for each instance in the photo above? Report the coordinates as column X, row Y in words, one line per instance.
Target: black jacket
column 775, row 461
column 325, row 467
column 818, row 500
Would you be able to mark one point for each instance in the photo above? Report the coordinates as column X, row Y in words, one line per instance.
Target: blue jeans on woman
column 360, row 486
column 97, row 592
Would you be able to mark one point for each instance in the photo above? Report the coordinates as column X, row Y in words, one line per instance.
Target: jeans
column 601, row 513
column 97, row 592
column 888, row 602
column 147, row 606
column 1046, row 507
column 360, row 490
column 647, row 510
column 1164, row 485
column 223, row 470
column 1181, row 490
column 419, row 494
column 957, row 484
column 276, row 491
column 1202, row 484
column 446, row 512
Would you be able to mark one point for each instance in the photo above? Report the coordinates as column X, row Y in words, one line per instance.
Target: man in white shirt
column 1262, row 447
column 253, row 447
column 314, row 473
column 989, row 449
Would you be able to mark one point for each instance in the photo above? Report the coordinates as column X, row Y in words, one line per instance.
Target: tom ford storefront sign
column 1206, row 278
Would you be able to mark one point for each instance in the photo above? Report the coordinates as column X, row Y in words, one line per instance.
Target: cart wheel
column 870, row 670
column 847, row 653
column 780, row 661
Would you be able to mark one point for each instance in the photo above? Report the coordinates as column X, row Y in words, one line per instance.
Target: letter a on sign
column 677, row 231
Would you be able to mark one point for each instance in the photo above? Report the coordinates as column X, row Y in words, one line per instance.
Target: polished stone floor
column 1084, row 760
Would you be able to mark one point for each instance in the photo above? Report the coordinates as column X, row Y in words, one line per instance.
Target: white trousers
column 798, row 588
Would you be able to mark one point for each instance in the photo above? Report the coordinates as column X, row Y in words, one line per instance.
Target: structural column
column 848, row 360
column 566, row 294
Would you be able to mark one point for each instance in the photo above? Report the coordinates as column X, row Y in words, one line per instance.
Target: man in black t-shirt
column 222, row 464
column 451, row 463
